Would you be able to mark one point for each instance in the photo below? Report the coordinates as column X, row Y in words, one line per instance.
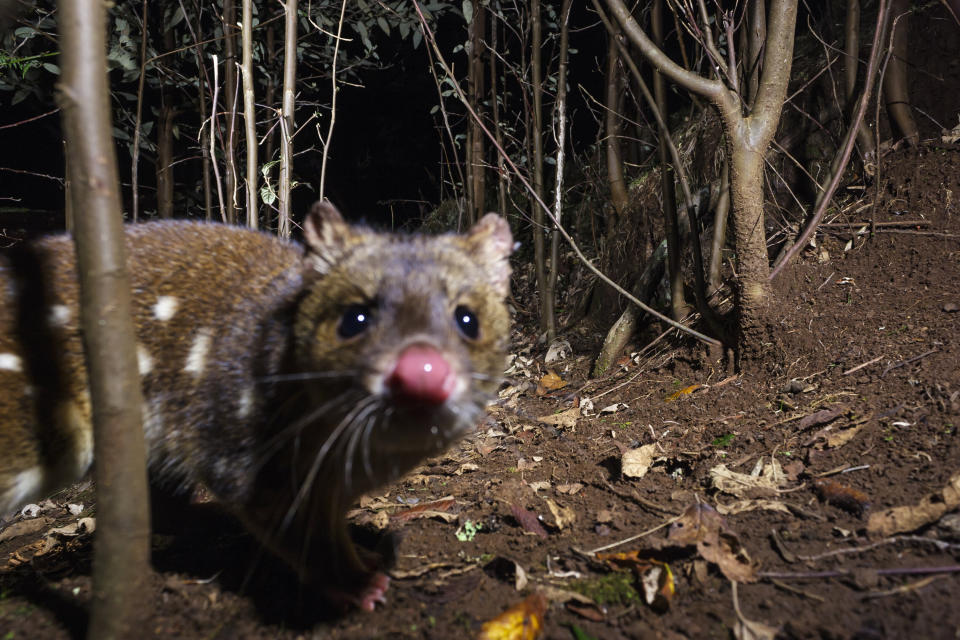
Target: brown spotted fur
column 277, row 387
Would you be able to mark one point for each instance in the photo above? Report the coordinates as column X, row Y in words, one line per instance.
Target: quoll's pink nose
column 422, row 376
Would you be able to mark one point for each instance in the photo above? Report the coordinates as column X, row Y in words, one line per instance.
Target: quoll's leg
column 318, row 547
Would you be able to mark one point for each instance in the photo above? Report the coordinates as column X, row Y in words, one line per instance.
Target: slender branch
column 428, row 37
column 333, row 99
column 687, row 79
column 847, row 147
column 212, row 123
column 135, row 151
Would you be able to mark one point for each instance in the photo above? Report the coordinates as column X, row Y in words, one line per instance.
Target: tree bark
column 121, row 561
column 165, row 158
column 852, row 54
column 250, row 116
column 895, row 80
column 135, row 160
column 536, row 135
column 475, row 90
column 495, row 112
column 618, row 185
column 230, row 100
column 678, row 302
column 284, row 225
column 747, row 139
column 560, row 107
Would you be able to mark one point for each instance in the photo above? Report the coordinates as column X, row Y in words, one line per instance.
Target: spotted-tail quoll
column 287, row 379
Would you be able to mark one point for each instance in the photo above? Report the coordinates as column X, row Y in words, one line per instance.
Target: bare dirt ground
column 854, row 411
column 782, row 477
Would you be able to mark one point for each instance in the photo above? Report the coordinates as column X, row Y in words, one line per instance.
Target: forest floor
column 825, row 480
column 814, row 494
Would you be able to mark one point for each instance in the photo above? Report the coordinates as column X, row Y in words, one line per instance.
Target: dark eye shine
column 355, row 320
column 467, row 321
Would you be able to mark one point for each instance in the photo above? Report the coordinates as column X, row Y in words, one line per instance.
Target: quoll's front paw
column 364, row 597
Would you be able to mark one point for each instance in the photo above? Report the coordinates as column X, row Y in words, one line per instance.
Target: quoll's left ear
column 326, row 236
column 491, row 242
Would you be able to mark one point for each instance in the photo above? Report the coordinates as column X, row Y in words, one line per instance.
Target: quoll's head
column 418, row 325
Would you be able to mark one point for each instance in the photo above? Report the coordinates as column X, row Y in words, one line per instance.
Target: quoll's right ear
column 326, row 236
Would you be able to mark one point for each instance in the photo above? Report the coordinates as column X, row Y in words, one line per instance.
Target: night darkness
column 385, row 165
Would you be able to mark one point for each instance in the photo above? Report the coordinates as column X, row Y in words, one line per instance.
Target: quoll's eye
column 467, row 321
column 355, row 320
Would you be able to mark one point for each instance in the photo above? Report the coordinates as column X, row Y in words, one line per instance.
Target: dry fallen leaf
column 24, row 527
column 562, row 516
column 683, row 392
column 636, row 462
column 528, row 520
column 702, row 526
column 550, row 382
column 569, row 489
column 821, row 417
column 559, row 350
column 741, row 506
column 565, row 419
column 753, row 485
column 523, row 621
column 909, row 518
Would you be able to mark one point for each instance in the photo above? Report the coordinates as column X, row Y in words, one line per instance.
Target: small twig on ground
column 904, row 588
column 799, row 592
column 861, row 366
column 846, row 573
column 906, row 362
column 866, row 223
column 829, row 278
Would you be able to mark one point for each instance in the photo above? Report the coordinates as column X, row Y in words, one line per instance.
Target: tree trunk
column 475, row 90
column 618, row 185
column 121, row 562
column 230, row 100
column 747, row 139
column 560, row 108
column 165, row 158
column 250, row 116
column 679, row 308
column 536, row 136
column 895, row 80
column 284, row 225
column 852, row 62
column 138, row 119
column 495, row 112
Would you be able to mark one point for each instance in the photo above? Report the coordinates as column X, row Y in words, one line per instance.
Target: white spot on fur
column 245, row 403
column 10, row 362
column 24, row 486
column 165, row 308
column 197, row 358
column 59, row 315
column 144, row 360
column 152, row 414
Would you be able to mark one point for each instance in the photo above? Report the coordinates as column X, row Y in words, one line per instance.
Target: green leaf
column 417, row 37
column 468, row 11
column 177, row 17
column 383, row 25
column 52, row 68
column 267, row 194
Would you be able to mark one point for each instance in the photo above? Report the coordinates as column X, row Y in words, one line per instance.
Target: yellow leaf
column 523, row 621
column 551, row 381
column 683, row 392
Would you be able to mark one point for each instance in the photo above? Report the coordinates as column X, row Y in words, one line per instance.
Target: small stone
column 794, row 386
column 951, row 307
